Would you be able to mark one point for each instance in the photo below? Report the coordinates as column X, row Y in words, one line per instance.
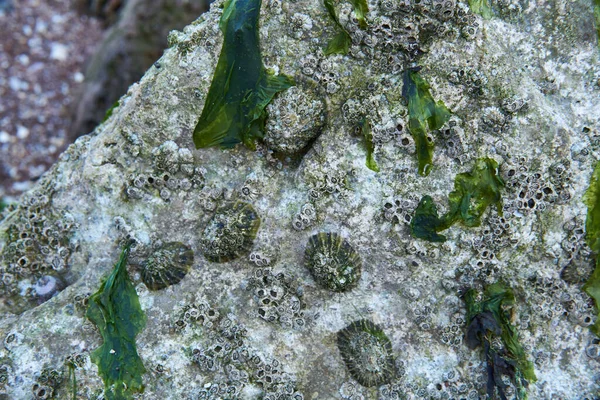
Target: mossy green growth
column 424, row 114
column 109, row 112
column 592, row 235
column 241, row 88
column 488, row 323
column 473, row 193
column 481, row 7
column 365, row 128
column 341, row 41
column 116, row 312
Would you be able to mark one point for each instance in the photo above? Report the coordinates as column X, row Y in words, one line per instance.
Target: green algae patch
column 426, row 222
column 116, row 312
column 481, row 7
column 488, row 325
column 473, row 193
column 365, row 129
column 109, row 112
column 361, row 8
column 425, row 115
column 241, row 88
column 592, row 235
column 340, row 44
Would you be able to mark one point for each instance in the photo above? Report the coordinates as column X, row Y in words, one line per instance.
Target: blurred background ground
column 63, row 63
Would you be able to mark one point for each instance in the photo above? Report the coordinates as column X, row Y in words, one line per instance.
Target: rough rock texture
column 523, row 88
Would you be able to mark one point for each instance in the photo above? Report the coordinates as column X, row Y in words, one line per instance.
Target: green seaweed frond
column 488, row 320
column 234, row 110
column 426, row 223
column 340, row 44
column 116, row 312
column 481, row 7
column 361, row 8
column 366, row 132
column 109, row 112
column 592, row 235
column 425, row 115
column 473, row 193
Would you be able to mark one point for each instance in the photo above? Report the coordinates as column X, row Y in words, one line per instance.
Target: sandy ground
column 43, row 48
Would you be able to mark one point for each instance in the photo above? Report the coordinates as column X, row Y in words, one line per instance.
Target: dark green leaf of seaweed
column 109, row 112
column 426, row 222
column 116, row 312
column 481, row 7
column 424, row 115
column 365, row 128
column 473, row 192
column 234, row 111
column 340, row 44
column 487, row 321
column 592, row 235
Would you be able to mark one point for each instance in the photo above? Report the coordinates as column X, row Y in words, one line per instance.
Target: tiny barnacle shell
column 231, row 232
column 167, row 266
column 332, row 261
column 367, row 352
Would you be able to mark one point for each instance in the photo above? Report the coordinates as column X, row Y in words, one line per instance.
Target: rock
column 523, row 89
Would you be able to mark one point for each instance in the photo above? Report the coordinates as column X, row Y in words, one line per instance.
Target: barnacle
column 234, row 110
column 488, row 323
column 332, row 261
column 473, row 192
column 116, row 312
column 231, row 232
column 367, row 352
column 424, row 114
column 167, row 266
column 592, row 233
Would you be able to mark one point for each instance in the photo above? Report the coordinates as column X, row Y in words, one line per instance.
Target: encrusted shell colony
column 332, row 261
column 230, row 233
column 367, row 352
column 167, row 266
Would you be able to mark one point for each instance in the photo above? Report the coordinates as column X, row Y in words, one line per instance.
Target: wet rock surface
column 523, row 89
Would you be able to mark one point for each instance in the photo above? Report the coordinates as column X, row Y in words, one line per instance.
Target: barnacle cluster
column 295, row 118
column 367, row 352
column 35, row 259
column 532, row 190
column 46, row 384
column 167, row 265
column 174, row 172
column 332, row 261
column 278, row 298
column 227, row 361
column 230, row 233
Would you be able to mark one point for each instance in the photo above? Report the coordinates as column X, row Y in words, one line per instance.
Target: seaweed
column 365, row 128
column 488, row 324
column 116, row 312
column 424, row 115
column 341, row 41
column 481, row 7
column 109, row 112
column 426, row 222
column 234, row 110
column 473, row 193
column 592, row 236
column 361, row 8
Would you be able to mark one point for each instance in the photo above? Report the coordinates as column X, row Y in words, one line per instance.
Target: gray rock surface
column 523, row 88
